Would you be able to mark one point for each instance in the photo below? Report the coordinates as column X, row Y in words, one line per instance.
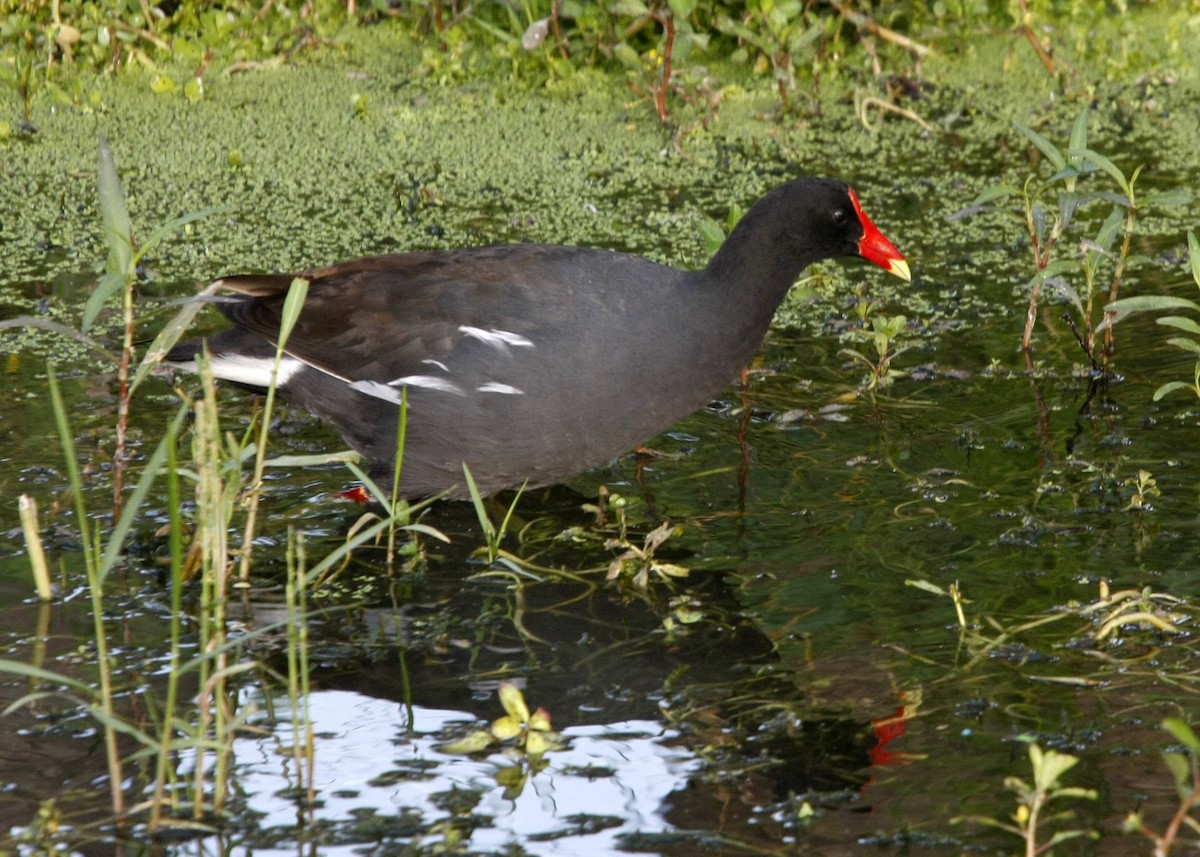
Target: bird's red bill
column 874, row 247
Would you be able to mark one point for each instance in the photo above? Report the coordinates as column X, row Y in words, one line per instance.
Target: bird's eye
column 840, row 216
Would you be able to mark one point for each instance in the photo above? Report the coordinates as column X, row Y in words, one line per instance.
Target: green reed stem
column 303, row 750
column 291, row 313
column 91, row 547
column 163, row 769
column 396, row 503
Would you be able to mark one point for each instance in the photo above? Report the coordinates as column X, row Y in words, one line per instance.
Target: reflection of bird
column 530, row 363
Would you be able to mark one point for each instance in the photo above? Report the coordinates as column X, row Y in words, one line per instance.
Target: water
column 795, row 691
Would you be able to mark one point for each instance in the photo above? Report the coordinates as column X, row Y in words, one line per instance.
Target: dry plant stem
column 1162, row 844
column 879, row 103
column 1110, row 344
column 147, row 15
column 1038, row 48
column 123, row 394
column 211, row 524
column 27, row 511
column 554, row 28
column 660, row 96
column 1041, row 258
column 143, row 34
column 863, row 22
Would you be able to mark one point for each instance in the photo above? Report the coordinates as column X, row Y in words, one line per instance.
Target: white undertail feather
column 252, row 371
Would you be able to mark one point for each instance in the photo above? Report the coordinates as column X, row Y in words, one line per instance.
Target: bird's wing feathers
column 385, row 318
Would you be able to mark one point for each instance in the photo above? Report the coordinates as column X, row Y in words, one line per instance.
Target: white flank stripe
column 379, row 391
column 438, row 363
column 390, row 392
column 494, row 387
column 252, row 371
column 429, row 382
column 500, row 339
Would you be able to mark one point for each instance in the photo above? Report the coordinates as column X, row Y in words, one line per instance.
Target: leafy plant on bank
column 1089, row 274
column 659, row 43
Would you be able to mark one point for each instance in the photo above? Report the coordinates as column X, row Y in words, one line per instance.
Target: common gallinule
column 530, row 362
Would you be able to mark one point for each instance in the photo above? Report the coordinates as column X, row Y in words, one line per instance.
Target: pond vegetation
column 925, row 581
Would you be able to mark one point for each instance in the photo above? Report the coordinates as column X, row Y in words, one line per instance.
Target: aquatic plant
column 530, row 733
column 493, row 533
column 1034, row 798
column 1185, row 771
column 1047, row 209
column 1118, row 310
column 637, row 563
column 171, row 731
column 882, row 335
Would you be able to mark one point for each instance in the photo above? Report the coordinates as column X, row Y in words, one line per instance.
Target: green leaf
column 711, row 234
column 1075, row 791
column 628, row 56
column 1047, row 148
column 62, row 330
column 1180, row 323
column 485, row 523
column 1183, row 733
column 998, row 191
column 682, row 8
column 1110, row 228
column 109, row 285
column 1147, row 303
column 174, row 225
column 1070, row 173
column 1180, row 768
column 1078, row 139
column 1170, row 387
column 1059, row 266
column 504, row 728
column 1178, row 196
column 118, row 228
column 513, row 701
column 926, row 586
column 1185, row 343
column 630, row 8
column 132, row 507
column 473, row 743
column 1109, row 167
column 292, row 304
column 1194, row 256
column 37, row 673
column 1049, row 766
column 1064, row 835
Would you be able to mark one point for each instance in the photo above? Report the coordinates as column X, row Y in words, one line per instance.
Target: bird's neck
column 755, row 266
